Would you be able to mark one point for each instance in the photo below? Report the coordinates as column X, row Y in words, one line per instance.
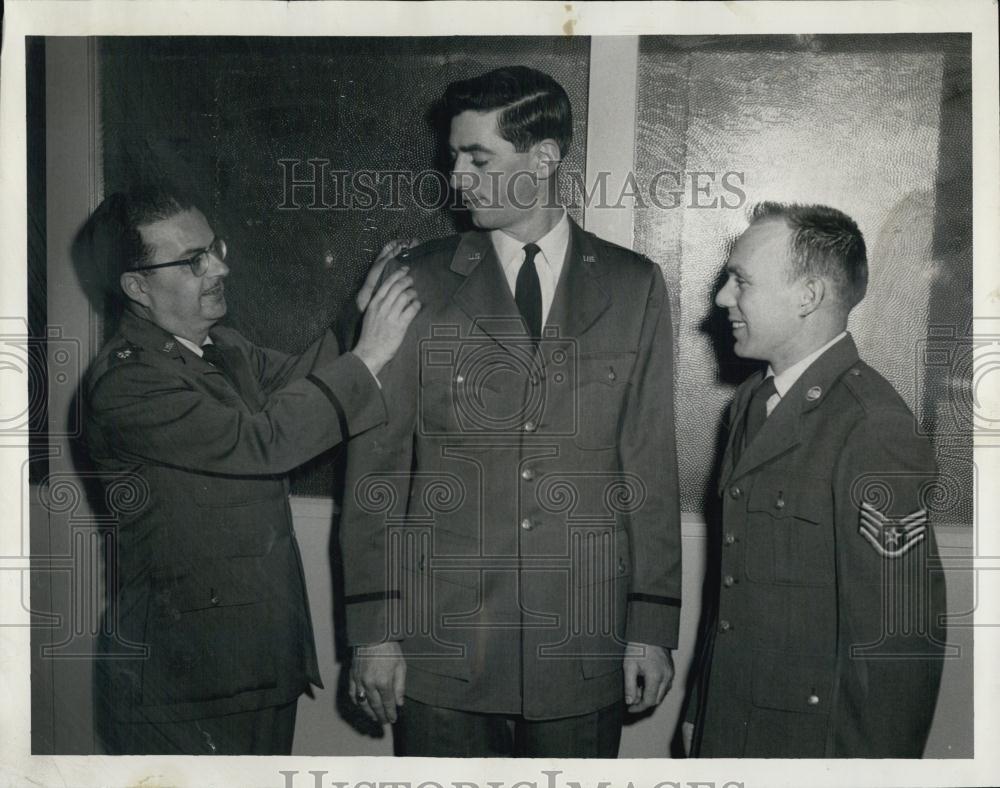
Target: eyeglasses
column 198, row 262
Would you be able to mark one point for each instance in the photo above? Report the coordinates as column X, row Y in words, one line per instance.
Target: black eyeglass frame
column 216, row 249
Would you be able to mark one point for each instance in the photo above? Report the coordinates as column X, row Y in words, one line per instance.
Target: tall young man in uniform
column 512, row 535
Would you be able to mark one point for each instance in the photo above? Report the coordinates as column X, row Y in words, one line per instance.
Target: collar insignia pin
column 475, row 256
column 814, row 393
column 589, row 258
column 123, row 354
column 168, row 346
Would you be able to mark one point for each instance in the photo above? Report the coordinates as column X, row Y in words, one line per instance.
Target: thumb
column 631, row 683
column 399, row 683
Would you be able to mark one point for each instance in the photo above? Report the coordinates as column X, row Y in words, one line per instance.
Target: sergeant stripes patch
column 892, row 537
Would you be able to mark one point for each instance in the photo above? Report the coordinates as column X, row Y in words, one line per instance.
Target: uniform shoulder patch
column 124, row 353
column 892, row 537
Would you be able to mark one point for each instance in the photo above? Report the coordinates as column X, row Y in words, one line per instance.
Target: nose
column 217, row 267
column 461, row 180
column 726, row 297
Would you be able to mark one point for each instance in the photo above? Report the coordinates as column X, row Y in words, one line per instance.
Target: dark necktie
column 528, row 293
column 757, row 410
column 214, row 356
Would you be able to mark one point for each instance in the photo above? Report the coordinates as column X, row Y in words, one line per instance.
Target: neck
column 801, row 351
column 536, row 224
column 197, row 336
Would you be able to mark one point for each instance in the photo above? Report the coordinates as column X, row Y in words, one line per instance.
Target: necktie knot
column 530, row 250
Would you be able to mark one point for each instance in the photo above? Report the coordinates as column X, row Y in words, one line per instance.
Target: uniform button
column 725, row 626
column 215, row 599
column 730, row 538
column 611, row 374
column 621, row 565
column 459, row 378
column 526, row 524
column 527, row 474
column 813, row 700
column 728, row 580
column 735, row 492
column 780, row 503
column 530, row 426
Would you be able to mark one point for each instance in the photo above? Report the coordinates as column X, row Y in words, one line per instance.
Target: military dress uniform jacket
column 209, row 578
column 825, row 639
column 516, row 521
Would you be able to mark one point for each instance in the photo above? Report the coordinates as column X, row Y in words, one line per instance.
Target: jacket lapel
column 484, row 296
column 581, row 297
column 781, row 431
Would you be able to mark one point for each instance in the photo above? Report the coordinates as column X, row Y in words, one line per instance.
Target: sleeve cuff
column 353, row 392
column 653, row 619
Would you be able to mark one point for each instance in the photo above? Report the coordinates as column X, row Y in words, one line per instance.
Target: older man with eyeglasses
column 204, row 426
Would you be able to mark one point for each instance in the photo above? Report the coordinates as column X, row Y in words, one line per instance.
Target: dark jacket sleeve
column 890, row 599
column 155, row 414
column 648, row 452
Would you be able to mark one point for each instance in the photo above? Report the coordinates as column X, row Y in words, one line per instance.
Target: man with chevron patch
column 824, row 637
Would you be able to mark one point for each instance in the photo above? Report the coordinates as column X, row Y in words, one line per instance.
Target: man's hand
column 389, row 314
column 378, row 678
column 389, row 251
column 655, row 667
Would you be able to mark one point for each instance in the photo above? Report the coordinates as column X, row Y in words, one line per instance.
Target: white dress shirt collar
column 784, row 381
column 548, row 263
column 192, row 346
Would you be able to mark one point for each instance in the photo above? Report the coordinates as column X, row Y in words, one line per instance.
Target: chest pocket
column 602, row 380
column 790, row 531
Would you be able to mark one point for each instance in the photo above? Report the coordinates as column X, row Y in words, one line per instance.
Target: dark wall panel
column 218, row 115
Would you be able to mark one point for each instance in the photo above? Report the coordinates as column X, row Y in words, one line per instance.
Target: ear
column 136, row 287
column 548, row 158
column 812, row 292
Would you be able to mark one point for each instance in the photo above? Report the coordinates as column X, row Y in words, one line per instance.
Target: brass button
column 530, row 426
column 730, row 538
column 621, row 565
column 459, row 378
column 813, row 700
column 780, row 503
column 728, row 580
column 611, row 374
column 735, row 492
column 527, row 474
column 215, row 599
column 526, row 524
column 725, row 626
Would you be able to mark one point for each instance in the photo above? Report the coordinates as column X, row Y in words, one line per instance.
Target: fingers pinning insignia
column 892, row 537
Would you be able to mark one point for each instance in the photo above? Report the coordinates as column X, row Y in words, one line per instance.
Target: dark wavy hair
column 534, row 106
column 825, row 242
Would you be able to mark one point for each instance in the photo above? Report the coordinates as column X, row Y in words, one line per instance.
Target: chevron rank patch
column 890, row 536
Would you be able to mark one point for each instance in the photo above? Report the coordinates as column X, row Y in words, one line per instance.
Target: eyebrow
column 477, row 148
column 192, row 251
